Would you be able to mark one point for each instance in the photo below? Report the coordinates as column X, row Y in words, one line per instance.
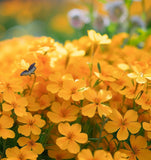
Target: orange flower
column 33, row 105
column 72, row 89
column 140, row 76
column 72, row 136
column 5, row 123
column 30, row 144
column 44, row 101
column 120, row 156
column 138, row 149
column 9, row 86
column 20, row 154
column 32, row 124
column 123, row 125
column 144, row 101
column 97, row 100
column 55, row 152
column 63, row 112
column 147, row 127
column 17, row 103
column 132, row 91
column 86, row 154
column 56, row 82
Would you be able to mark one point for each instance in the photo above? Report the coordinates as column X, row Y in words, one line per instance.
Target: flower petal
column 111, row 126
column 134, row 127
column 122, row 134
column 89, row 110
column 73, row 147
column 62, row 142
column 130, row 116
column 104, row 110
column 81, row 138
column 64, row 128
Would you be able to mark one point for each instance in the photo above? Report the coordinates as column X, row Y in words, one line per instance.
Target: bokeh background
column 70, row 19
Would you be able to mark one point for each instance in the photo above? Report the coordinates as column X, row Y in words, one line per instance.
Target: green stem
column 32, row 84
column 101, row 129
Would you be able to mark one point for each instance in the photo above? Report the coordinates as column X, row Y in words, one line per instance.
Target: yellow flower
column 6, row 123
column 72, row 135
column 72, row 89
column 20, row 154
column 30, row 144
column 97, row 38
column 86, row 154
column 63, row 112
column 147, row 127
column 137, row 149
column 17, row 103
column 96, row 102
column 123, row 125
column 32, row 124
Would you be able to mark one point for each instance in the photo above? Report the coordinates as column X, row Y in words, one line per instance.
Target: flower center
column 97, row 101
column 70, row 135
column 73, row 90
column 31, row 122
column 21, row 156
column 136, row 150
column 31, row 142
column 63, row 112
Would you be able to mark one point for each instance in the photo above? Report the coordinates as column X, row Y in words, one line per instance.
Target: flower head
column 96, row 102
column 20, row 154
column 32, row 124
column 123, row 124
column 63, row 112
column 72, row 137
column 98, row 38
column 86, row 154
column 6, row 123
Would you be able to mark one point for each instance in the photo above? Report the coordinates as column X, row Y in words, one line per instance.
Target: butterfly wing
column 30, row 70
column 31, row 66
column 24, row 73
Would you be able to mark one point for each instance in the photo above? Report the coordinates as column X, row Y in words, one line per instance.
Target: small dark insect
column 31, row 70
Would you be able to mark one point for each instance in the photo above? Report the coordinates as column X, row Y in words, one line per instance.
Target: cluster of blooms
column 86, row 99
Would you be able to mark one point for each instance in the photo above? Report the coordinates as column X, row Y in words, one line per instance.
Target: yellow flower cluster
column 87, row 99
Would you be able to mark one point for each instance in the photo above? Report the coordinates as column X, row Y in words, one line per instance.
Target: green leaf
column 96, row 83
column 99, row 67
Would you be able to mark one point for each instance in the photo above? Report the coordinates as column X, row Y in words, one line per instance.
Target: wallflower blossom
column 17, row 103
column 98, row 38
column 9, row 86
column 31, row 144
column 147, row 127
column 72, row 137
column 86, row 154
column 140, row 76
column 63, row 112
column 32, row 124
column 96, row 102
column 6, row 122
column 72, row 89
column 55, row 152
column 137, row 149
column 123, row 124
column 120, row 156
column 56, row 81
column 144, row 101
column 20, row 154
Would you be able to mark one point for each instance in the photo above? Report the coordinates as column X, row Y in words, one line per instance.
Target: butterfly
column 31, row 70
